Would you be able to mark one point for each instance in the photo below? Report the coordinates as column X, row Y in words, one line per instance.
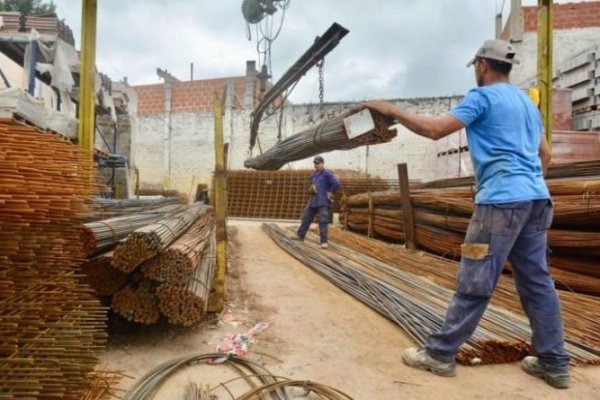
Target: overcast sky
column 395, row 48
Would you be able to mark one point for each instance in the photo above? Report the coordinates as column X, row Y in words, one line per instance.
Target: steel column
column 544, row 61
column 218, row 296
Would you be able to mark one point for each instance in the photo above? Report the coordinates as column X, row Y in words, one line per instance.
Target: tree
column 28, row 7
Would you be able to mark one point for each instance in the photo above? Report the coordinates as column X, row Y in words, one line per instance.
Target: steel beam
column 319, row 49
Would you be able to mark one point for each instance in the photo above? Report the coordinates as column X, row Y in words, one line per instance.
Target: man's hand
column 383, row 107
column 312, row 189
column 330, row 196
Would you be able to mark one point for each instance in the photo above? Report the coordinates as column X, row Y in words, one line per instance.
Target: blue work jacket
column 325, row 181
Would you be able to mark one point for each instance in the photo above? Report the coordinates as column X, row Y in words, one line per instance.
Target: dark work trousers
column 307, row 218
column 517, row 232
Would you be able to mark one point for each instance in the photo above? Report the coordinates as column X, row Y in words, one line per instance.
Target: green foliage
column 28, row 7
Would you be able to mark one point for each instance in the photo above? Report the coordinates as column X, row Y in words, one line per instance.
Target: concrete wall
column 192, row 145
column 567, row 43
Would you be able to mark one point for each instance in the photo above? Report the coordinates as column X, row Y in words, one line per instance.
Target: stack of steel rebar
column 109, row 208
column 164, row 261
column 330, row 135
column 177, row 264
column 147, row 241
column 442, row 216
column 186, row 304
column 101, row 276
column 137, row 302
column 580, row 312
column 418, row 305
column 98, row 236
column 52, row 328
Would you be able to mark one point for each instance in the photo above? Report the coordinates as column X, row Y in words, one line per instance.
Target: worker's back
column 504, row 131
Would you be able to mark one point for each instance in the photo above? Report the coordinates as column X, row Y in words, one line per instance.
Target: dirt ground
column 318, row 333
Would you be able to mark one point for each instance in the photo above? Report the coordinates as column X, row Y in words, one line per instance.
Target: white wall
column 567, row 43
column 192, row 146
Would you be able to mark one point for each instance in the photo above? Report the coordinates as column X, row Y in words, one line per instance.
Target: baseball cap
column 318, row 159
column 496, row 49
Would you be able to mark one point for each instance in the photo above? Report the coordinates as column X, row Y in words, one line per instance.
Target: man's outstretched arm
column 428, row 126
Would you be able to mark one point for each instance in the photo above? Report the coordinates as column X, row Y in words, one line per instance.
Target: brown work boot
column 418, row 358
column 559, row 380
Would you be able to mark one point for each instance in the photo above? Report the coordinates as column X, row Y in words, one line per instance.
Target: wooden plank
column 409, row 219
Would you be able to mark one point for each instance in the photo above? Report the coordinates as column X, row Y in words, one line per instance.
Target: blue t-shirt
column 325, row 181
column 504, row 130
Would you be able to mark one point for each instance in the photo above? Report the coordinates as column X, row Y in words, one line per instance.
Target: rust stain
column 474, row 251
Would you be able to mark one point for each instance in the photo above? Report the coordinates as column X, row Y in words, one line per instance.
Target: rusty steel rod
column 186, row 305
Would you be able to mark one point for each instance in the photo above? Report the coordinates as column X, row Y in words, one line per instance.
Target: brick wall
column 565, row 16
column 150, row 98
column 188, row 96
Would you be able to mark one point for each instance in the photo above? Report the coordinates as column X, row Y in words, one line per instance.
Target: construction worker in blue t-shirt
column 321, row 187
column 512, row 214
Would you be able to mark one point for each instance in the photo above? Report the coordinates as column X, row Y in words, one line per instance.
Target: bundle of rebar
column 101, row 276
column 579, row 311
column 52, row 328
column 146, row 242
column 183, row 267
column 442, row 217
column 186, row 305
column 108, row 208
column 327, row 136
column 100, row 236
column 137, row 302
column 418, row 305
column 177, row 263
column 556, row 171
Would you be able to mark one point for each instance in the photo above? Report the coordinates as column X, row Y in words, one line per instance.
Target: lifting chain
column 320, row 64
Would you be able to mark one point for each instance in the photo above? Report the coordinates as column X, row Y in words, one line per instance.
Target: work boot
column 297, row 238
column 418, row 358
column 559, row 380
column 324, row 245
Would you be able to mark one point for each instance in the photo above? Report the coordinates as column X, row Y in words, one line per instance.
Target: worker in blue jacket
column 323, row 183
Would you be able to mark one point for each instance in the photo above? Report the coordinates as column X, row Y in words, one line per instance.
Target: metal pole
column 544, row 76
column 218, row 296
column 87, row 102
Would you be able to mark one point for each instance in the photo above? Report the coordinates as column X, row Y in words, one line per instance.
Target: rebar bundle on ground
column 418, row 305
column 144, row 243
column 52, row 326
column 137, row 302
column 177, row 263
column 580, row 312
column 100, row 236
column 328, row 135
column 101, row 276
column 186, row 305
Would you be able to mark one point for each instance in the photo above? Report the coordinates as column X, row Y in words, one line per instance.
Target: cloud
column 395, row 48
